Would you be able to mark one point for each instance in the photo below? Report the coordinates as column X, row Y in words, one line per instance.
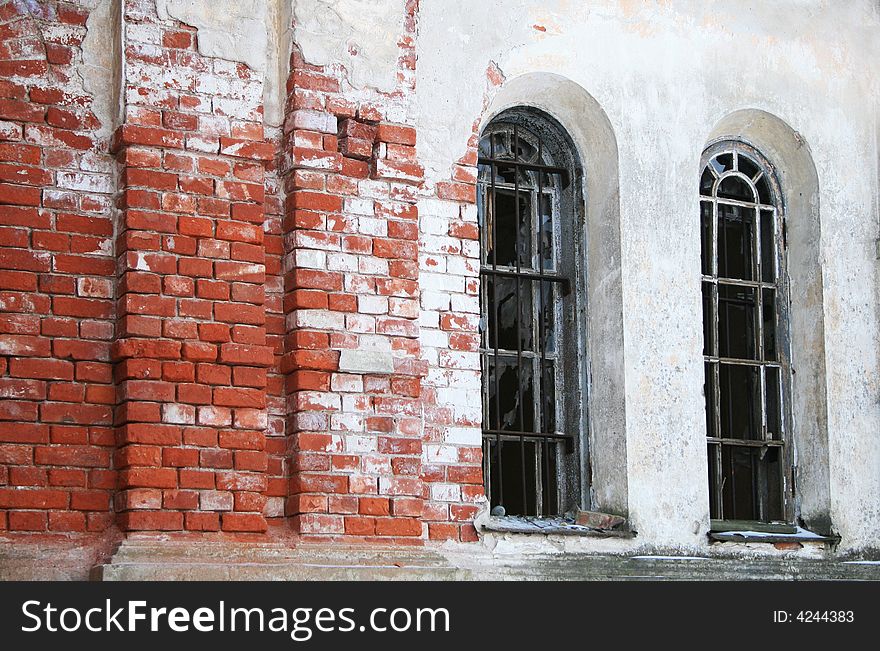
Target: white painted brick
column 434, row 225
column 360, row 323
column 375, row 464
column 374, row 189
column 318, row 319
column 347, row 423
column 432, row 263
column 207, row 145
column 342, row 262
column 359, row 206
column 307, row 240
column 470, row 248
column 435, row 338
column 433, row 300
column 440, row 454
column 314, row 121
column 462, row 436
column 465, row 303
column 459, row 265
column 320, row 399
column 375, row 342
column 360, row 361
column 459, row 359
column 143, row 34
column 469, row 212
column 372, row 266
column 438, row 208
column 441, row 244
column 179, row 414
column 372, row 226
column 360, row 443
column 310, row 259
column 84, row 182
column 446, row 492
column 372, row 304
column 441, row 282
column 457, row 397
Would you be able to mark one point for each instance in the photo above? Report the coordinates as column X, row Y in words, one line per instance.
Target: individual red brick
column 398, row 527
column 248, row 522
column 27, row 520
column 151, row 521
column 202, row 521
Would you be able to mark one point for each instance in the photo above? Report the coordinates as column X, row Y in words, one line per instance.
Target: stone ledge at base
column 226, row 561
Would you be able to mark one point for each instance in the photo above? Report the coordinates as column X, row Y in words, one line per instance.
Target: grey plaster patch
column 362, row 35
column 365, row 361
column 236, row 31
column 100, row 68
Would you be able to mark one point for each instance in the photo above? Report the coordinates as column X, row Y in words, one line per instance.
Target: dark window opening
column 525, row 200
column 743, row 328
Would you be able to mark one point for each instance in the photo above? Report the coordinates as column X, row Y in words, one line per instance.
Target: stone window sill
column 548, row 526
column 734, row 531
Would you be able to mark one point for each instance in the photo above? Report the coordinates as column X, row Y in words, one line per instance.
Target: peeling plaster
column 361, row 35
column 236, row 31
column 99, row 69
column 656, row 71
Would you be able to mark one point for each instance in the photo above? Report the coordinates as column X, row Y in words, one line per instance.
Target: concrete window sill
column 547, row 527
column 798, row 536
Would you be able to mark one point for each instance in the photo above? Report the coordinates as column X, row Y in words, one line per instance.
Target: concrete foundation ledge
column 164, row 558
column 225, row 561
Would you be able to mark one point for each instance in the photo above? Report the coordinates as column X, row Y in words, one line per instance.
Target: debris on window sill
column 548, row 526
column 791, row 534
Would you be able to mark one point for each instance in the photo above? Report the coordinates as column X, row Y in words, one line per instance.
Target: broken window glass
column 744, row 387
column 527, row 451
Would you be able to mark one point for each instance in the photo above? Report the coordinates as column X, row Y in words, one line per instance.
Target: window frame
column 568, row 205
column 782, row 326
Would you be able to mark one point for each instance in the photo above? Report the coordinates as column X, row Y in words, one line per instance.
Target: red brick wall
column 212, row 323
column 57, row 279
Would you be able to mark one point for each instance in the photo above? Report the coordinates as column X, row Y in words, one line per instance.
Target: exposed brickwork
column 191, row 351
column 56, row 279
column 351, row 303
column 449, row 274
column 210, row 323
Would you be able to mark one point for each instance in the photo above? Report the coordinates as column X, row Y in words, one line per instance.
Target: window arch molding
column 605, row 484
column 788, row 154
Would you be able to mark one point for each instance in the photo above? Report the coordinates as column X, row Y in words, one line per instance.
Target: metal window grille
column 745, row 335
column 525, row 442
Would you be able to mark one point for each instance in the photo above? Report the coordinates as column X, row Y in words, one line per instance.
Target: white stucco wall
column 666, row 74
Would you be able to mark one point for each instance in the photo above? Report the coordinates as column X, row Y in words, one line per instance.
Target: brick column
column 352, row 357
column 191, row 354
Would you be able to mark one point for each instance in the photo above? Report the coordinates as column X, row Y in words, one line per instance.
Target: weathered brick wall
column 212, row 324
column 56, row 279
column 351, row 302
column 191, row 350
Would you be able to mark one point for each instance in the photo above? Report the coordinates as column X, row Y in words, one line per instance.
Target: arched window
column 528, row 268
column 745, row 330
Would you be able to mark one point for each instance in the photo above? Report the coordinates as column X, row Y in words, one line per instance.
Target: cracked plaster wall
column 666, row 74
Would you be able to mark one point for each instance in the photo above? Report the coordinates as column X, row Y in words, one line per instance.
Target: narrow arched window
column 745, row 326
column 531, row 362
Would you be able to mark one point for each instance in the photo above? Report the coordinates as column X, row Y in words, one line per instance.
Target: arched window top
column 737, row 172
column 533, row 140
